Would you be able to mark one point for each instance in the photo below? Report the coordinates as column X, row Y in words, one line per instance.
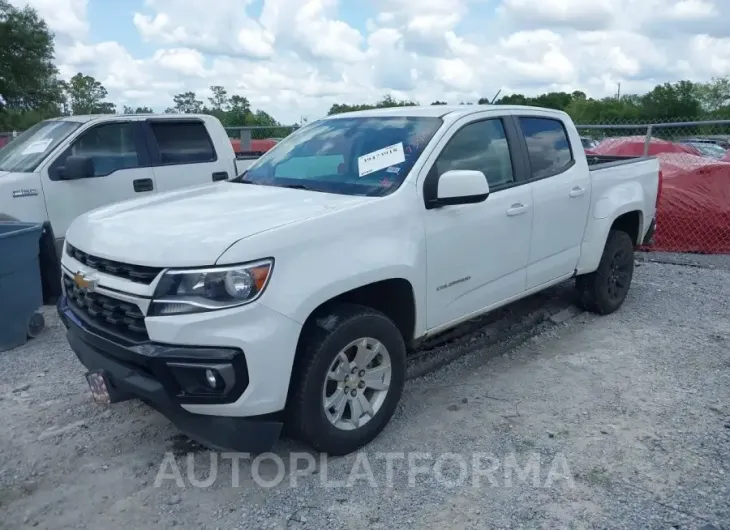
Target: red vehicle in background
column 258, row 146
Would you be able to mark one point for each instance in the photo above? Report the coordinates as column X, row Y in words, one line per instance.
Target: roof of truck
column 436, row 111
column 83, row 118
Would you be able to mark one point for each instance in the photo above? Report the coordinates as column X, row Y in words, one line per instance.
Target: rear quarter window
column 548, row 146
column 183, row 142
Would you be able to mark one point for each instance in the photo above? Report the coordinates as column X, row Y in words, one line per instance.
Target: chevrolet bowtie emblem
column 85, row 282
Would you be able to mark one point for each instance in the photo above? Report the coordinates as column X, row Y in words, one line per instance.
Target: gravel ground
column 543, row 418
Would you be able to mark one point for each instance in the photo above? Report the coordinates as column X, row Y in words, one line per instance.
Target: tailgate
column 245, row 159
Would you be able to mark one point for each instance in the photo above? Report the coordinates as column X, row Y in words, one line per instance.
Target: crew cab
column 292, row 295
column 63, row 167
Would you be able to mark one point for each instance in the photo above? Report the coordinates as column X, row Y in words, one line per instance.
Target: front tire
column 605, row 290
column 348, row 379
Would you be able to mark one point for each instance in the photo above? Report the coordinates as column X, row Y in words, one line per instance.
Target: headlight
column 197, row 290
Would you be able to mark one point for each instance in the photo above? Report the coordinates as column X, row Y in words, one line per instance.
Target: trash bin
column 21, row 291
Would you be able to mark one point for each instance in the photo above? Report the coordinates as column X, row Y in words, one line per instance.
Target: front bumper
column 147, row 372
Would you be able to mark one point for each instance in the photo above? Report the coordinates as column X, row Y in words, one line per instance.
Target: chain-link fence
column 260, row 132
column 257, row 139
column 693, row 213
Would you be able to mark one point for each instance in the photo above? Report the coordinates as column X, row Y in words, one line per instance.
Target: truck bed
column 636, row 179
column 244, row 159
column 596, row 162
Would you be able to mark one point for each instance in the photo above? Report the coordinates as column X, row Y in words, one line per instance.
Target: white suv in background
column 63, row 167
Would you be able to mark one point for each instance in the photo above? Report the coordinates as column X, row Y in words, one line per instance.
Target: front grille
column 134, row 273
column 109, row 314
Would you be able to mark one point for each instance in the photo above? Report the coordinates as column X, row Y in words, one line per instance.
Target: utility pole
column 618, row 92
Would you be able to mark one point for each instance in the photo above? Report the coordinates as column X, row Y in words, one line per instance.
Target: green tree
column 29, row 88
column 385, row 102
column 239, row 111
column 274, row 128
column 512, row 99
column 86, row 95
column 672, row 101
column 714, row 96
column 138, row 110
column 187, row 103
column 554, row 100
column 220, row 101
column 607, row 110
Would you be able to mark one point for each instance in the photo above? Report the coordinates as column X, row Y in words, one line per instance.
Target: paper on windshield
column 381, row 159
column 37, row 147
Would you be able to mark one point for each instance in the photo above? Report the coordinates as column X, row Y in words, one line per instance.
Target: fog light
column 211, row 377
column 204, row 380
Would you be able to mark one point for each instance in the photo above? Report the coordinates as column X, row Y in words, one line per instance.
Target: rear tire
column 605, row 290
column 330, row 357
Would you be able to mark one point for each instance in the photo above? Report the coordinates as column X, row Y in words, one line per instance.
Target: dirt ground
column 540, row 417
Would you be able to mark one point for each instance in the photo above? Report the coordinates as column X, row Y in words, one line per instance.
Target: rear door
column 561, row 194
column 121, row 171
column 183, row 154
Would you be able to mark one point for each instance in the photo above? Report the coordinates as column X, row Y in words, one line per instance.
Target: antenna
column 495, row 97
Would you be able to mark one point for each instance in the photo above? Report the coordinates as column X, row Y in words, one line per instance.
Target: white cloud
column 692, row 9
column 220, row 27
column 67, row 18
column 298, row 57
column 578, row 14
column 711, row 55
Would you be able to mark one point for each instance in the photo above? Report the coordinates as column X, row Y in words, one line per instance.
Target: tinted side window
column 480, row 146
column 183, row 142
column 110, row 146
column 547, row 145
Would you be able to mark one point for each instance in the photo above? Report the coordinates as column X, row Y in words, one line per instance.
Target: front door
column 121, row 172
column 477, row 253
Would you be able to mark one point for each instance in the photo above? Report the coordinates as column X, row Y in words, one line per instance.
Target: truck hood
column 194, row 226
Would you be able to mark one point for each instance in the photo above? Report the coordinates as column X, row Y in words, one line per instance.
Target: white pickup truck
column 64, row 167
column 292, row 294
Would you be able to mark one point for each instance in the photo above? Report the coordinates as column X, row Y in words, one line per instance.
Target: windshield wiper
column 242, row 179
column 296, row 187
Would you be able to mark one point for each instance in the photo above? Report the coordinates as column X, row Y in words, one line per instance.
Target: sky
column 295, row 58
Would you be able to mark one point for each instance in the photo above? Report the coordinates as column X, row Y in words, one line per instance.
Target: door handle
column 220, row 175
column 517, row 209
column 141, row 185
column 577, row 191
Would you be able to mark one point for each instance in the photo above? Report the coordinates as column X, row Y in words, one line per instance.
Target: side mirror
column 77, row 167
column 460, row 186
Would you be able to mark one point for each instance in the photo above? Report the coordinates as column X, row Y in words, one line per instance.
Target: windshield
column 350, row 156
column 23, row 154
column 709, row 149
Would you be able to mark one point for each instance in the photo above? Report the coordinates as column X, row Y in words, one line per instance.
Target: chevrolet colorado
column 292, row 294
